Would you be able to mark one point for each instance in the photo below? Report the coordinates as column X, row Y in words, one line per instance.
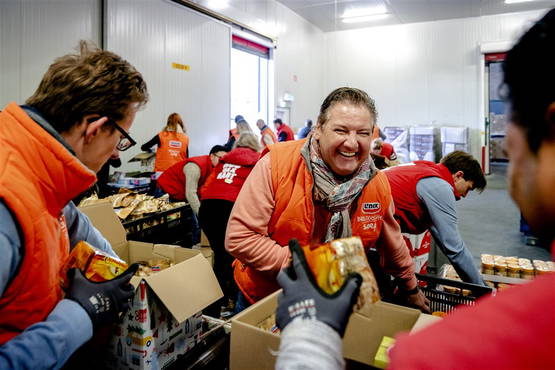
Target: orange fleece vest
column 375, row 132
column 172, row 149
column 293, row 215
column 267, row 131
column 38, row 177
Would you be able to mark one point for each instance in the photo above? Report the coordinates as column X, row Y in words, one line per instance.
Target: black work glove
column 103, row 301
column 302, row 297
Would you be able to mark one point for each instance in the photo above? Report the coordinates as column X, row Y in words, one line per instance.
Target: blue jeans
column 241, row 303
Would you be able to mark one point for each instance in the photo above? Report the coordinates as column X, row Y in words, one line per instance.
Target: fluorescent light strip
column 361, row 12
column 517, row 1
column 366, row 18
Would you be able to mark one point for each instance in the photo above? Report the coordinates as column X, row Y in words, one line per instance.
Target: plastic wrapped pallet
column 399, row 138
column 422, row 144
column 454, row 138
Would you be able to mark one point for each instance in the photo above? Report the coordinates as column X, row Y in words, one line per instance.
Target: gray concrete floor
column 489, row 222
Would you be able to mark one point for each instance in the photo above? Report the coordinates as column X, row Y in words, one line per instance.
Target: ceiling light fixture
column 362, row 12
column 517, row 1
column 365, row 18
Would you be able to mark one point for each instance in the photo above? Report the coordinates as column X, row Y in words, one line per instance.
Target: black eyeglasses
column 126, row 141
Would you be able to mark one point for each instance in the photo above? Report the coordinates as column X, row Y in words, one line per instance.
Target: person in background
column 172, row 142
column 78, row 117
column 284, row 132
column 183, row 181
column 304, row 131
column 523, row 317
column 267, row 136
column 425, row 193
column 218, row 197
column 385, row 153
column 316, row 190
column 241, row 125
column 103, row 176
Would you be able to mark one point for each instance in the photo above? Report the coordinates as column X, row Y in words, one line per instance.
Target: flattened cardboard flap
column 187, row 287
column 104, row 218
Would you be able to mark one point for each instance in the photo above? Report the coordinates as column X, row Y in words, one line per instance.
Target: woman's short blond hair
column 247, row 140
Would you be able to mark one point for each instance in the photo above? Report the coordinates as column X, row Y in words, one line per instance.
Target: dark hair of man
column 347, row 95
column 462, row 161
column 308, row 123
column 94, row 81
column 530, row 79
column 218, row 148
column 278, row 120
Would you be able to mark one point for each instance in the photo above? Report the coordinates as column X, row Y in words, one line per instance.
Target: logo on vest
column 228, row 173
column 175, row 144
column 371, row 208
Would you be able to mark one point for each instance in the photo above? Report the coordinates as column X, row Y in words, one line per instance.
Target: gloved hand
column 103, row 301
column 302, row 297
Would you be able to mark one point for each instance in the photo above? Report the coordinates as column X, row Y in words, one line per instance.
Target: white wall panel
column 153, row 34
column 34, row 33
column 300, row 52
column 423, row 73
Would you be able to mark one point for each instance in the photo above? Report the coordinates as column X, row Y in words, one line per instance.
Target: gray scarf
column 336, row 194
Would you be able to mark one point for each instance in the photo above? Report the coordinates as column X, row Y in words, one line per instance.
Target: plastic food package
column 331, row 263
column 95, row 264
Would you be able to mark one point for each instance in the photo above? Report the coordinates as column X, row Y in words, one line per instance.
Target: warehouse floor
column 489, row 222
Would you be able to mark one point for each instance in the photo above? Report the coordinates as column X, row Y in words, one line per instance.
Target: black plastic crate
column 445, row 294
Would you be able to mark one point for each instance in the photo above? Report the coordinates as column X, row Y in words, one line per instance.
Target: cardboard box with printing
column 255, row 348
column 165, row 319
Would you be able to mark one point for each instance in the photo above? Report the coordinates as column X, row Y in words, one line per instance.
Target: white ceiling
column 325, row 14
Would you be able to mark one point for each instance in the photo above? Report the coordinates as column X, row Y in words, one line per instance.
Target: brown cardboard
column 254, row 348
column 165, row 319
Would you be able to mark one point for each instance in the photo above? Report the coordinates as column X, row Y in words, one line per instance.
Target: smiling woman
column 316, row 190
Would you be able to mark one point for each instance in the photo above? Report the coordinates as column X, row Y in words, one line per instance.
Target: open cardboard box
column 164, row 321
column 255, row 348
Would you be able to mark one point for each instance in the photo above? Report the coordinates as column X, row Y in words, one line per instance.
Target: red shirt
column 284, row 128
column 230, row 174
column 513, row 330
column 172, row 181
column 410, row 211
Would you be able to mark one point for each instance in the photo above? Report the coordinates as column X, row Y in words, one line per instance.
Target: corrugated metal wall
column 154, row 34
column 33, row 33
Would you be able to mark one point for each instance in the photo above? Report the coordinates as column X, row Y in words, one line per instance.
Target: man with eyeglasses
column 51, row 148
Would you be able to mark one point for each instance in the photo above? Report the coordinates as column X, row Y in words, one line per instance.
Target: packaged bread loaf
column 95, row 264
column 331, row 264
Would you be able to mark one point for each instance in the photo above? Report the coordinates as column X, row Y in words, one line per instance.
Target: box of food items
column 173, row 285
column 255, row 335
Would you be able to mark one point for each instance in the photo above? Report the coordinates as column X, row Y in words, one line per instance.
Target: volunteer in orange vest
column 183, row 181
column 50, row 152
column 425, row 194
column 284, row 132
column 218, row 196
column 316, row 190
column 523, row 317
column 172, row 142
column 267, row 136
column 241, row 125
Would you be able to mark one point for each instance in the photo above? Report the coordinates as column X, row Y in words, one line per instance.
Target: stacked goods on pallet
column 422, row 144
column 399, row 138
column 454, row 138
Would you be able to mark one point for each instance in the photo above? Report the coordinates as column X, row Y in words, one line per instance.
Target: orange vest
column 35, row 191
column 267, row 131
column 172, row 149
column 375, row 132
column 293, row 215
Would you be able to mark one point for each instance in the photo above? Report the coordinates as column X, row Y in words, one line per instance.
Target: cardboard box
column 255, row 348
column 165, row 319
column 143, row 157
